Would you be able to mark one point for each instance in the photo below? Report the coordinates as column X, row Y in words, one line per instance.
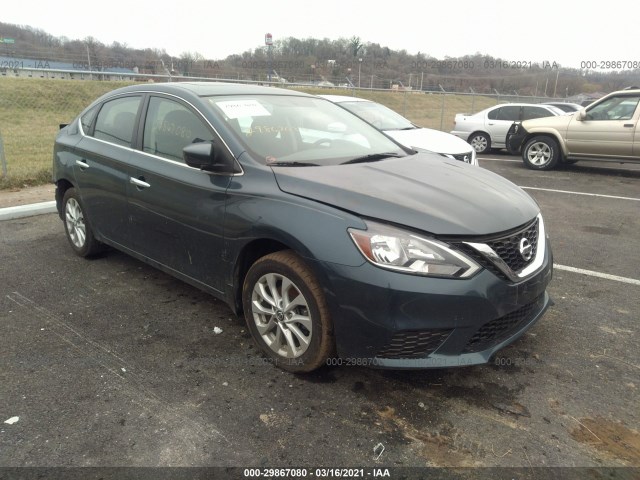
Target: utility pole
column 89, row 62
column 268, row 41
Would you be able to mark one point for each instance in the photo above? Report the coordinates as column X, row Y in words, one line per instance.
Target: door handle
column 139, row 182
column 82, row 164
column 628, row 125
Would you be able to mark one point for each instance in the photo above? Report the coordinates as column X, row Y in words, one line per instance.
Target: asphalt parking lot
column 109, row 362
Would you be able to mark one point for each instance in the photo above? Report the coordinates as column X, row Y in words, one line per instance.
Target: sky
column 568, row 33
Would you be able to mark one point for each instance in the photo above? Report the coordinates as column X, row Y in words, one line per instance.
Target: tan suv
column 608, row 130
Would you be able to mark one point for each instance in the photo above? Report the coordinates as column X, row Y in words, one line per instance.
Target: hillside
column 340, row 61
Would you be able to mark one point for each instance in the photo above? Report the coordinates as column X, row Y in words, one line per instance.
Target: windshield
column 379, row 116
column 295, row 130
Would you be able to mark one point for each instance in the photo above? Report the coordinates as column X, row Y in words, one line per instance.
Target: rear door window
column 509, row 112
column 116, row 120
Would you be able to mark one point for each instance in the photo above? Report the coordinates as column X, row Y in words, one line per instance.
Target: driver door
column 607, row 129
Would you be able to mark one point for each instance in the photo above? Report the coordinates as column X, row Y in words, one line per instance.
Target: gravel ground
column 110, row 363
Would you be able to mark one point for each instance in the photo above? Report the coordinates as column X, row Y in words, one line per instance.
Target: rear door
column 102, row 167
column 177, row 212
column 500, row 120
column 609, row 128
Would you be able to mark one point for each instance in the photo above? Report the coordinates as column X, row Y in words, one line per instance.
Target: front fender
column 558, row 134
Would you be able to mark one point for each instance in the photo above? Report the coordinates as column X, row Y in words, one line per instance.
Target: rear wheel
column 286, row 312
column 541, row 153
column 480, row 142
column 77, row 228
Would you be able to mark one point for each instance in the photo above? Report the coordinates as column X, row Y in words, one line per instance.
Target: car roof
column 520, row 105
column 205, row 89
column 559, row 103
column 343, row 98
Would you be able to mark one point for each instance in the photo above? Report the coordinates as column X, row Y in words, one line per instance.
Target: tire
column 76, row 226
column 480, row 142
column 541, row 153
column 295, row 346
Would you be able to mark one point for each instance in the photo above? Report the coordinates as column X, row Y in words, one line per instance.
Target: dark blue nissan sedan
column 337, row 244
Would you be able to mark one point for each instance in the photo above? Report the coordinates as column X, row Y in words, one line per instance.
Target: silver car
column 488, row 128
column 404, row 131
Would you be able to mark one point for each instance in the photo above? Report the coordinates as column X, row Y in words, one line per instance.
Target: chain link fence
column 33, row 104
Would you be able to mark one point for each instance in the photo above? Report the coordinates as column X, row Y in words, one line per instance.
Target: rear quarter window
column 87, row 120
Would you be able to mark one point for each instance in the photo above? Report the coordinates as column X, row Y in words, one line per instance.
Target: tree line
column 343, row 61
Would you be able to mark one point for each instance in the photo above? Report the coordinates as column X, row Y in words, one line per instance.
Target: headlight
column 403, row 251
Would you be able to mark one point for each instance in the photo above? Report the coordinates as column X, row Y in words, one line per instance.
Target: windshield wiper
column 373, row 157
column 292, row 164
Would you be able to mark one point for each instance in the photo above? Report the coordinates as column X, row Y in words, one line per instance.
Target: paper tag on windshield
column 243, row 108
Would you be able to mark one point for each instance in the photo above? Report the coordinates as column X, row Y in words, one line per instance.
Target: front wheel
column 541, row 153
column 286, row 312
column 76, row 227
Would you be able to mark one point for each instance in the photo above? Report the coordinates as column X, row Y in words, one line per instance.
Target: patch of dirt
column 26, row 196
column 610, row 438
column 273, row 419
column 440, row 449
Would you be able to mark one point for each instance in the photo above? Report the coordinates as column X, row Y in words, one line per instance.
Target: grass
column 32, row 109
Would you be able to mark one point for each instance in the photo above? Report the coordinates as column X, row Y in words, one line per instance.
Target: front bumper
column 390, row 320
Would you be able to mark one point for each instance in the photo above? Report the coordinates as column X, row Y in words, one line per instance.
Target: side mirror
column 208, row 157
column 581, row 115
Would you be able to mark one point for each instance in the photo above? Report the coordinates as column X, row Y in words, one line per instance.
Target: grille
column 508, row 248
column 414, row 344
column 500, row 329
column 482, row 260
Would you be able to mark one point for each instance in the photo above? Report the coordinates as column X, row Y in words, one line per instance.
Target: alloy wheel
column 479, row 143
column 75, row 223
column 539, row 153
column 281, row 315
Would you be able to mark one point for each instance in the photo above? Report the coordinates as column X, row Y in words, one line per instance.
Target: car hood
column 428, row 139
column 421, row 191
column 560, row 122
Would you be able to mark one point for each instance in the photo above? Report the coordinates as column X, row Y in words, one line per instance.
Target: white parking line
column 500, row 159
column 591, row 273
column 581, row 193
